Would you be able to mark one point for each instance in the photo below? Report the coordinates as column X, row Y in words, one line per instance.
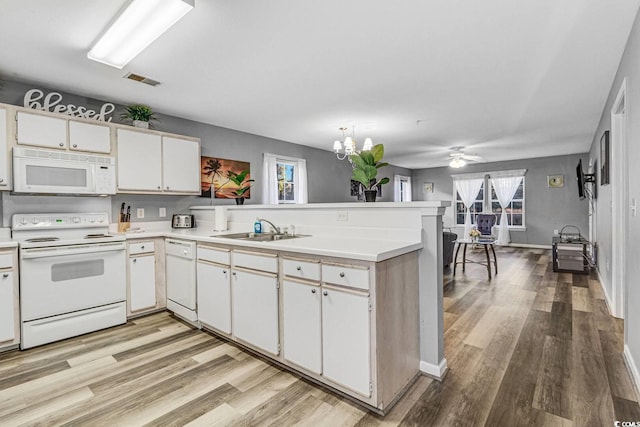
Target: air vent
column 141, row 79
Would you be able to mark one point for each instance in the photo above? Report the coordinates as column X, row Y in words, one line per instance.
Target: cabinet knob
column 224, row 271
column 142, row 247
column 298, row 268
column 233, row 274
column 61, row 144
column 167, row 187
column 135, row 260
column 158, row 187
column 313, row 291
column 75, row 145
column 1, row 179
column 341, row 274
column 325, row 293
column 5, row 275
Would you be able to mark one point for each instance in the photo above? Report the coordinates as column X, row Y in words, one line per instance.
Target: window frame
column 295, row 164
column 510, row 215
column 487, row 200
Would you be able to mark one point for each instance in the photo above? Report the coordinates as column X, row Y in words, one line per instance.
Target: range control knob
column 92, row 220
column 75, row 219
column 34, row 220
column 23, row 221
column 100, row 220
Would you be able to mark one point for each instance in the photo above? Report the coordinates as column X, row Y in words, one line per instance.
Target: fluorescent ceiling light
column 137, row 27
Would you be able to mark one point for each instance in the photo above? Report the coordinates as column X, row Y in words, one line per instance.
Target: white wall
column 629, row 69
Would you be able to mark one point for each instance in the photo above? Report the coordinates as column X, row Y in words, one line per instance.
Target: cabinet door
column 142, row 280
column 180, row 165
column 139, row 161
column 255, row 309
column 4, row 165
column 89, row 137
column 345, row 339
column 7, row 327
column 214, row 296
column 43, row 131
column 301, row 318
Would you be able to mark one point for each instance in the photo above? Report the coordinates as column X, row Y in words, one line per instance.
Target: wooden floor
column 529, row 347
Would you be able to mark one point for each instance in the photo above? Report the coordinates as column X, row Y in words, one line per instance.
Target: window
column 402, row 188
column 476, row 208
column 487, row 201
column 515, row 210
column 285, row 180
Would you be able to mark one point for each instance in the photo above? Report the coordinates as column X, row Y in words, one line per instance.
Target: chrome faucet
column 273, row 226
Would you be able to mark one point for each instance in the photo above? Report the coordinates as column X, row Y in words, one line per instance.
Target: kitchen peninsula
column 356, row 304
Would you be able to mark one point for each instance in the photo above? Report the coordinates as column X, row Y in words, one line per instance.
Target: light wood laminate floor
column 529, row 347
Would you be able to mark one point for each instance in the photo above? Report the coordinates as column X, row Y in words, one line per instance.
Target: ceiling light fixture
column 137, row 27
column 457, row 162
column 350, row 145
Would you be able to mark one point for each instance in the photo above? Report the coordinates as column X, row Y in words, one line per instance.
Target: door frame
column 619, row 200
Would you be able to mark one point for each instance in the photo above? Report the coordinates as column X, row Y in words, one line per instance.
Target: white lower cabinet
column 255, row 309
column 346, row 348
column 214, row 295
column 302, row 325
column 142, row 277
column 7, row 314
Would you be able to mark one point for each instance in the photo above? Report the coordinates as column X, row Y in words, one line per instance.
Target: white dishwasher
column 181, row 278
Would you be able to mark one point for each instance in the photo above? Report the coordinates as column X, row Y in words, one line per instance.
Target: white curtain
column 505, row 189
column 401, row 192
column 270, row 178
column 468, row 190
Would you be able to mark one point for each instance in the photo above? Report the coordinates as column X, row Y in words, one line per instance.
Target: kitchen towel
column 220, row 223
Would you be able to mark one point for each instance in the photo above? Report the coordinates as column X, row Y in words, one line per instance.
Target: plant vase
column 239, row 200
column 141, row 124
column 370, row 195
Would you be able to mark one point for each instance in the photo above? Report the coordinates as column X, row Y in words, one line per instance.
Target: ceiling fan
column 458, row 158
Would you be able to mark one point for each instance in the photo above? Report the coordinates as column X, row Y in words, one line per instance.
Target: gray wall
column 328, row 178
column 629, row 69
column 546, row 209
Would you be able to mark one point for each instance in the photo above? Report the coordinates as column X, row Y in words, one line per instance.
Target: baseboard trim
column 607, row 298
column 633, row 369
column 434, row 371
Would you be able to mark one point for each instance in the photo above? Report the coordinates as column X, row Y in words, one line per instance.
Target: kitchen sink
column 260, row 237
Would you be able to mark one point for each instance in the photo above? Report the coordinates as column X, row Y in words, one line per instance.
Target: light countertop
column 364, row 249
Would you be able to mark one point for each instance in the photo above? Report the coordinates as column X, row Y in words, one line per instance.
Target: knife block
column 123, row 227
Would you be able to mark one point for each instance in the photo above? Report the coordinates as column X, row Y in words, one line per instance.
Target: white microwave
column 62, row 172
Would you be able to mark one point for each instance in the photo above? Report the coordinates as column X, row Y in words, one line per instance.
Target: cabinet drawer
column 6, row 260
column 303, row 269
column 256, row 261
column 355, row 277
column 141, row 248
column 217, row 255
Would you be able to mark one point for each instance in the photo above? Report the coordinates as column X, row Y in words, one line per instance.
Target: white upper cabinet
column 41, row 130
column 139, row 161
column 180, row 164
column 4, row 157
column 89, row 137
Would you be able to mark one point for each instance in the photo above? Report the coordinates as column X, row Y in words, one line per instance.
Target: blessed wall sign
column 52, row 102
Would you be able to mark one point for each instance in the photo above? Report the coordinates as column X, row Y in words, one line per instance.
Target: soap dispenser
column 257, row 226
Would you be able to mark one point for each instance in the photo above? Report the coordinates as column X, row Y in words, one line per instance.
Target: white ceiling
column 506, row 79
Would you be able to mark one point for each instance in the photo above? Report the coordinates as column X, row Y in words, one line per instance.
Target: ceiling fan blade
column 472, row 158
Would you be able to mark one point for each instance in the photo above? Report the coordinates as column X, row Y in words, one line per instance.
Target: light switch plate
column 140, row 213
column 162, row 212
column 342, row 216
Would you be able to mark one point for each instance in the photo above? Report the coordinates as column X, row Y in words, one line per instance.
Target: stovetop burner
column 42, row 239
column 97, row 236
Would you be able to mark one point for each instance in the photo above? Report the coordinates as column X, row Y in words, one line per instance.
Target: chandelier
column 350, row 145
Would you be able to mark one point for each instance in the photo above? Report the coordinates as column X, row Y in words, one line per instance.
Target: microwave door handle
column 54, row 252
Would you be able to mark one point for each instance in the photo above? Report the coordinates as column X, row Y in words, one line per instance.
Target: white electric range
column 72, row 275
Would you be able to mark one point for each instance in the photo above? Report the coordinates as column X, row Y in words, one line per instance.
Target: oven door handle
column 54, row 252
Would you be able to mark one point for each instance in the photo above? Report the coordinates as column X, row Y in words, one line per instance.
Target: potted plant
column 244, row 184
column 365, row 170
column 141, row 115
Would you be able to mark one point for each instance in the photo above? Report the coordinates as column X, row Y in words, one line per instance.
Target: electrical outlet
column 140, row 213
column 342, row 216
column 162, row 212
column 555, row 232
